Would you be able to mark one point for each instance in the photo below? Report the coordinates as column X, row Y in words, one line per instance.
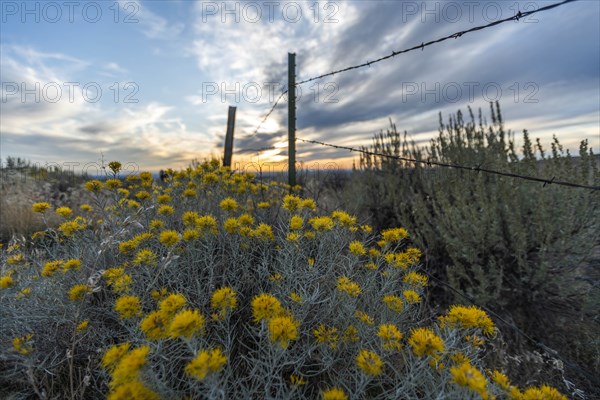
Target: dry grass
column 19, row 190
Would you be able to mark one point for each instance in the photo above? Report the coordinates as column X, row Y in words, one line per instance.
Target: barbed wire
column 537, row 343
column 257, row 150
column 455, row 35
column 457, row 166
column 268, row 114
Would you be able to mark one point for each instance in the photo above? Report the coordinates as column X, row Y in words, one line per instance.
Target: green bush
column 519, row 247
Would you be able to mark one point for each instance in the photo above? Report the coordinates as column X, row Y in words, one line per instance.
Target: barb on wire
column 421, row 46
column 537, row 343
column 269, row 113
column 457, row 166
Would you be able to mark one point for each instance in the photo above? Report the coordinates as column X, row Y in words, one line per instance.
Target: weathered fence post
column 292, row 119
column 229, row 137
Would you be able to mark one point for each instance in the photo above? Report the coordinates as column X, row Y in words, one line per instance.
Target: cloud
column 151, row 25
column 547, row 61
column 43, row 130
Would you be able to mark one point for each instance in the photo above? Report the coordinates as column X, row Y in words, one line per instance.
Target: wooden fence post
column 229, row 137
column 292, row 119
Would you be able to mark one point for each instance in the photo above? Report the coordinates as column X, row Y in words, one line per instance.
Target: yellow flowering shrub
column 212, row 283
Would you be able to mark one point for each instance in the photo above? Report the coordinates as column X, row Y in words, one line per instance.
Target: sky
column 149, row 82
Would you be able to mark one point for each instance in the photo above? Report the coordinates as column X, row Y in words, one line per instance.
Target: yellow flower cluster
column 118, row 279
column 94, row 186
column 295, row 297
column 169, row 321
column 186, row 323
column 128, row 307
column 51, row 267
column 229, row 204
column 133, row 243
column 544, row 392
column 343, row 218
column 393, row 303
column 78, row 292
column 22, row 344
column 145, row 257
column 263, row 232
column 296, row 223
column 283, row 329
column 390, row 336
column 364, row 317
column 169, row 238
column 124, row 366
column 40, row 207
column 468, row 376
column 166, row 210
column 113, row 183
column 468, row 317
column 204, row 224
column 350, row 334
column 321, row 223
column 346, row 285
column 394, row 235
column 15, row 259
column 64, row 212
column 25, row 292
column 265, row 307
column 223, row 301
column 82, row 326
column 6, row 281
column 69, row 228
column 357, row 248
column 297, row 380
column 369, row 362
column 415, row 279
column 71, row 264
column 326, row 335
column 403, row 259
column 411, row 296
column 334, row 393
column 294, row 203
column 205, row 363
column 425, row 342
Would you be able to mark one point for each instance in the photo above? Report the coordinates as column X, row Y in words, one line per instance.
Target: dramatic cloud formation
column 149, row 82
